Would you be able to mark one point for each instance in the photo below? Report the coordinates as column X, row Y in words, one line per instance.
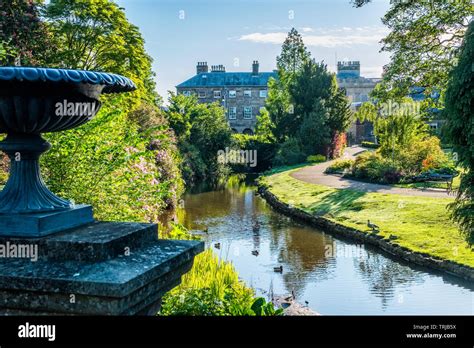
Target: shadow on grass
column 338, row 202
column 281, row 169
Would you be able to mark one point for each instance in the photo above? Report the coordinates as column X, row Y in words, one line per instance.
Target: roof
column 221, row 79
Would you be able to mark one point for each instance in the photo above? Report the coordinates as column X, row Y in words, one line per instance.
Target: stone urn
column 54, row 257
column 35, row 101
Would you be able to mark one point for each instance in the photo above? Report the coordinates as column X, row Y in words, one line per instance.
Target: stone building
column 357, row 90
column 242, row 94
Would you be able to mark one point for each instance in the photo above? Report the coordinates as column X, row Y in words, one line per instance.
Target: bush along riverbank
column 213, row 288
column 415, row 229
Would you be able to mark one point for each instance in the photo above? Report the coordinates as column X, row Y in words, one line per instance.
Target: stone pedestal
column 70, row 264
column 42, row 224
column 102, row 268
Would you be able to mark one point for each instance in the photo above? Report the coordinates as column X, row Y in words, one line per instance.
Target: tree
column 314, row 133
column 318, row 105
column 459, row 130
column 279, row 107
column 293, row 53
column 210, row 132
column 307, row 110
column 24, row 38
column 96, row 35
column 311, row 82
column 396, row 132
column 341, row 116
column 202, row 130
column 265, row 127
column 108, row 162
column 424, row 42
column 359, row 3
column 366, row 112
column 179, row 114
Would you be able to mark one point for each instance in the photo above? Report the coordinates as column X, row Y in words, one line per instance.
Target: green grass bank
column 419, row 224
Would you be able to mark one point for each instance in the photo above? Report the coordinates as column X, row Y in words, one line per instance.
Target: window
column 248, row 93
column 232, row 94
column 263, row 93
column 232, row 113
column 217, row 94
column 247, row 112
column 187, row 93
column 202, row 94
column 433, row 126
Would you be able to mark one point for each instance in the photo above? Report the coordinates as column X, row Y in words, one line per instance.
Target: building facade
column 242, row 94
column 357, row 90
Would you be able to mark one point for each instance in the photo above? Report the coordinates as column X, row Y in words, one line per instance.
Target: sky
column 234, row 33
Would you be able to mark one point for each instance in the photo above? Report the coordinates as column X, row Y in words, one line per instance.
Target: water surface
column 335, row 276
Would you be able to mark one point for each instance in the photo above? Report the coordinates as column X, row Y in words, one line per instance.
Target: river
column 333, row 275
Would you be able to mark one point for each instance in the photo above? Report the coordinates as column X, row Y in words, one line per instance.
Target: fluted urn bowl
column 41, row 100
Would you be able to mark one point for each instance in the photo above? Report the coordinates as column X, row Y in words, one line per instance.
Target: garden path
column 315, row 175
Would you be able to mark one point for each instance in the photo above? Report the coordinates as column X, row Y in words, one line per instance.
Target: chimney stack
column 202, row 68
column 255, row 68
column 218, row 68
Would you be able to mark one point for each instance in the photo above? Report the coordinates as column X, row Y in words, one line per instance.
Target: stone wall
column 387, row 245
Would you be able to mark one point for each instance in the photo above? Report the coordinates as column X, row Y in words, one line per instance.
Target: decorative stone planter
column 80, row 266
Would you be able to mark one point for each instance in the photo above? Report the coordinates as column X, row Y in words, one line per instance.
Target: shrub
column 4, row 165
column 339, row 166
column 370, row 145
column 338, row 144
column 201, row 130
column 107, row 163
column 373, row 167
column 289, row 153
column 316, row 159
column 211, row 288
column 421, row 155
column 264, row 147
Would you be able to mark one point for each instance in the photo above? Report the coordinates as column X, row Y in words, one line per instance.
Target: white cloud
column 371, row 71
column 272, row 38
column 306, row 29
column 344, row 36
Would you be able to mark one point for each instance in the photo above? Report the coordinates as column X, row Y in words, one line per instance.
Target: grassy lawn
column 421, row 223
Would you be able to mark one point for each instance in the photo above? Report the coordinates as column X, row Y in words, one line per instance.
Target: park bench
column 437, row 177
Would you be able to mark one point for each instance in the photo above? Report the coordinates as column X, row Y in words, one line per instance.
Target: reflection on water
column 335, row 276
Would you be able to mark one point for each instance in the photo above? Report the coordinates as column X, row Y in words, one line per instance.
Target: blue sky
column 179, row 33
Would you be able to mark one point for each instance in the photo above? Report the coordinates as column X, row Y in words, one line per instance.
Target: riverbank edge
column 439, row 264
